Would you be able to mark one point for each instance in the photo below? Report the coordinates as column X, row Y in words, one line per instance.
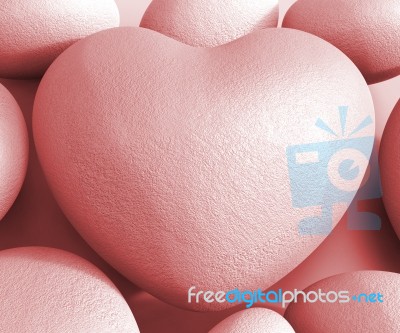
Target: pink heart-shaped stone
column 34, row 33
column 206, row 23
column 49, row 290
column 187, row 167
column 367, row 31
column 389, row 160
column 368, row 302
column 14, row 150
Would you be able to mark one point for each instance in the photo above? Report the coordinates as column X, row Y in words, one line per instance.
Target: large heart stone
column 216, row 168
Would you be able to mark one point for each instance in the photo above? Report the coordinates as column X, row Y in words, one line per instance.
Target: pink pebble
column 13, row 150
column 171, row 161
column 254, row 320
column 206, row 23
column 364, row 314
column 367, row 31
column 35, row 218
column 34, row 33
column 47, row 290
column 389, row 160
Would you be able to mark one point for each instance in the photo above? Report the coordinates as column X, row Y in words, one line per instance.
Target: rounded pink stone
column 353, row 316
column 367, row 31
column 49, row 290
column 34, row 33
column 389, row 160
column 14, row 150
column 208, row 23
column 255, row 320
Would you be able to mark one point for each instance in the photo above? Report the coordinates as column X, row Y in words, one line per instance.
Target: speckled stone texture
column 14, row 150
column 208, row 23
column 389, row 160
column 45, row 290
column 34, row 33
column 367, row 31
column 171, row 160
column 255, row 320
column 351, row 317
